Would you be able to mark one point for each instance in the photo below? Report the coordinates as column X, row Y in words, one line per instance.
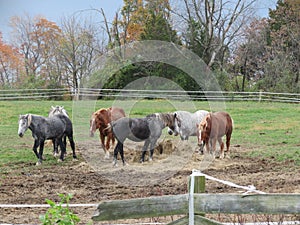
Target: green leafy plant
column 59, row 213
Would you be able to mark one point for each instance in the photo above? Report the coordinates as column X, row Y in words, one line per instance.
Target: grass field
column 270, row 130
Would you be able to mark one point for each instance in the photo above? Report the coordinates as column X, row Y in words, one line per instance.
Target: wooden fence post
column 199, row 186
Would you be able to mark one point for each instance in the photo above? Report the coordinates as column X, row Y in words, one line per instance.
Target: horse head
column 24, row 123
column 99, row 119
column 57, row 110
column 203, row 130
column 173, row 128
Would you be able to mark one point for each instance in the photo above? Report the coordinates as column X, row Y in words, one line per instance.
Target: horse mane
column 29, row 119
column 166, row 118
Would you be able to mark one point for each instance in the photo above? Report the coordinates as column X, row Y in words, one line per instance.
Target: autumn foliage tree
column 37, row 40
column 11, row 66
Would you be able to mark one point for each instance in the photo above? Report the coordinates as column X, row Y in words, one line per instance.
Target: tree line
column 244, row 52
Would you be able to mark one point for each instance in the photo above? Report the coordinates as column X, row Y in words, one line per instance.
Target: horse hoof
column 115, row 163
column 38, row 163
column 125, row 164
column 75, row 159
column 59, row 160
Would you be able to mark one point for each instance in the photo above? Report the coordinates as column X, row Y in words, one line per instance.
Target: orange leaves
column 10, row 63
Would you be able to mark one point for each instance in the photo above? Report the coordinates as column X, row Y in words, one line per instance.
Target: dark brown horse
column 100, row 120
column 212, row 128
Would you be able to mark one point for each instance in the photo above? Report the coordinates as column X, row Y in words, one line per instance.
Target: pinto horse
column 212, row 128
column 147, row 129
column 100, row 120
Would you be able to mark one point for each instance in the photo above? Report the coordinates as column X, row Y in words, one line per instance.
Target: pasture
column 265, row 152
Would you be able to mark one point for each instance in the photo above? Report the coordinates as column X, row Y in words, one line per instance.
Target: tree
column 213, row 26
column 36, row 39
column 10, row 65
column 285, row 47
column 78, row 50
column 252, row 54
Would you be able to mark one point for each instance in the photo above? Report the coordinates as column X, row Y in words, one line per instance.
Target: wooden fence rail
column 203, row 203
column 23, row 94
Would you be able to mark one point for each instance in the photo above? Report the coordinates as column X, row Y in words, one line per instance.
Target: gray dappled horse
column 147, row 129
column 46, row 128
column 186, row 124
column 54, row 111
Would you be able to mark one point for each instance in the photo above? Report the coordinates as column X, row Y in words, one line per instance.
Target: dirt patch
column 93, row 179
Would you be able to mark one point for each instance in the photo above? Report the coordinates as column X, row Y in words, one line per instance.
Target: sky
column 54, row 10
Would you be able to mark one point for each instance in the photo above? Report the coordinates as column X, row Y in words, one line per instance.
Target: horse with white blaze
column 47, row 128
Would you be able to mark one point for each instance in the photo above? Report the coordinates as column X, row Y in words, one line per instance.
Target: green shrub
column 59, row 213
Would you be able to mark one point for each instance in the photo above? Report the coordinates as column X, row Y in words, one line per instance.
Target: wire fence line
column 67, row 94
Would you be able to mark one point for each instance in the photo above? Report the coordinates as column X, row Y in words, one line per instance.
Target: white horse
column 186, row 124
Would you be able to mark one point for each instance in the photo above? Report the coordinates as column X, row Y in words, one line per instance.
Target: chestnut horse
column 212, row 128
column 100, row 120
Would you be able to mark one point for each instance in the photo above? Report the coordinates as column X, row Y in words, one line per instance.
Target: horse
column 212, row 128
column 45, row 128
column 57, row 110
column 100, row 120
column 54, row 111
column 147, row 129
column 185, row 123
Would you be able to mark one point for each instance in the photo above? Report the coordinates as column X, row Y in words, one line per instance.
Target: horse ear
column 175, row 115
column 52, row 107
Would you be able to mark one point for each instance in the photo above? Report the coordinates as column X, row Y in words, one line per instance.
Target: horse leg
column 145, row 147
column 107, row 147
column 122, row 154
column 65, row 143
column 35, row 146
column 152, row 145
column 40, row 155
column 62, row 149
column 117, row 149
column 55, row 148
column 213, row 146
column 72, row 143
column 102, row 139
column 113, row 140
column 221, row 147
column 228, row 136
column 207, row 146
